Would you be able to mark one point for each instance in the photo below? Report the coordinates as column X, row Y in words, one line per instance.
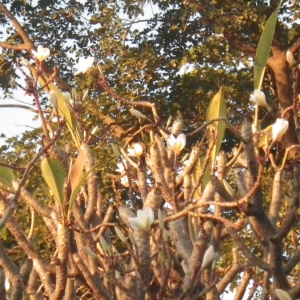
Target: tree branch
column 237, row 44
column 28, row 45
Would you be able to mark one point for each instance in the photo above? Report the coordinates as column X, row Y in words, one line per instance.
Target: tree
column 218, row 224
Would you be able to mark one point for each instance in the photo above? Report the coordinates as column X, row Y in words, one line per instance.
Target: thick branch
column 237, row 44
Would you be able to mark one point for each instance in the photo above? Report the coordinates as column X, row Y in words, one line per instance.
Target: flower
column 66, row 95
column 143, row 220
column 124, row 181
column 10, row 197
column 6, row 284
column 121, row 168
column 177, row 144
column 279, row 128
column 136, row 151
column 41, row 53
column 83, row 64
column 290, row 58
column 68, row 98
column 53, row 98
column 258, row 97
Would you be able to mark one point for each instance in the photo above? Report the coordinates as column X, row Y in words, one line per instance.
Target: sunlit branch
column 122, row 100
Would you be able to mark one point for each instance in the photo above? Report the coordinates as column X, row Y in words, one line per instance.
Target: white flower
column 186, row 163
column 121, row 168
column 6, row 284
column 136, row 151
column 258, row 97
column 168, row 205
column 10, row 197
column 41, row 53
column 66, row 95
column 143, row 220
column 177, row 144
column 53, row 98
column 208, row 256
column 83, row 65
column 290, row 58
column 279, row 128
column 124, row 181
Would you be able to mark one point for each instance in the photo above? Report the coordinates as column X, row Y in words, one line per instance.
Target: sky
column 14, row 121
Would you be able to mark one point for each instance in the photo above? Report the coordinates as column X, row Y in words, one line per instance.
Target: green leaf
column 6, row 178
column 263, row 49
column 217, row 109
column 89, row 252
column 103, row 243
column 54, row 175
column 121, row 235
column 77, row 188
column 65, row 109
column 76, row 170
column 196, row 175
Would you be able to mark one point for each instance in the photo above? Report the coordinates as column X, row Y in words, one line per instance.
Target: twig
column 81, row 230
column 12, row 167
column 20, row 106
column 122, row 100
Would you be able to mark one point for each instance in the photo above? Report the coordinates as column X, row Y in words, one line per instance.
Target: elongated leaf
column 263, row 49
column 6, row 177
column 208, row 256
column 161, row 219
column 121, row 235
column 89, row 252
column 76, row 170
column 54, row 175
column 217, row 109
column 65, row 109
column 196, row 175
column 191, row 229
column 103, row 243
column 282, row 295
column 77, row 188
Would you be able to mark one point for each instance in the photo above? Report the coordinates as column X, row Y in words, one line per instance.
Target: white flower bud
column 279, row 128
column 53, row 98
column 258, row 98
column 290, row 58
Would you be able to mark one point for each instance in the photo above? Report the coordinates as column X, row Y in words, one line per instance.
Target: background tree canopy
column 174, row 55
